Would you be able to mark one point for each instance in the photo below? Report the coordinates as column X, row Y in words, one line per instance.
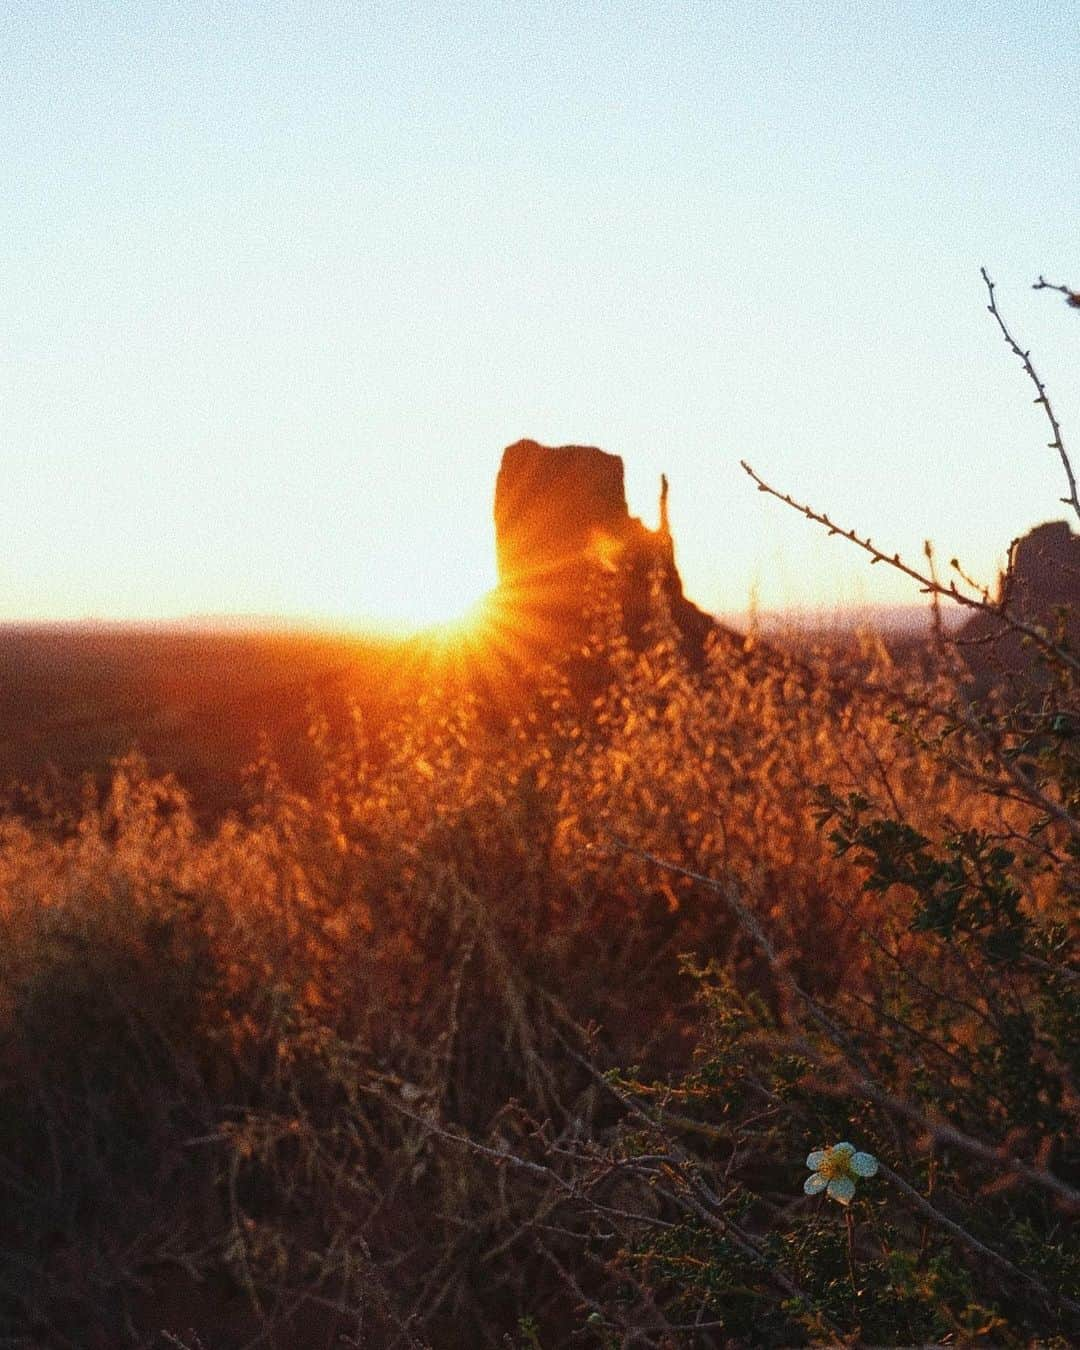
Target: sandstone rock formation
column 1044, row 570
column 1042, row 579
column 564, row 533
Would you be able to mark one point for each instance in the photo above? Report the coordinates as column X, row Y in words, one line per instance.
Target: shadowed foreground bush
column 346, row 1071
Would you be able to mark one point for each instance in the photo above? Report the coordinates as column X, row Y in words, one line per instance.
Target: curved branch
column 929, row 585
column 1057, row 443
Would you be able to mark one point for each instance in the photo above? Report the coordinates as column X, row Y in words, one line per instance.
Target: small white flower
column 835, row 1171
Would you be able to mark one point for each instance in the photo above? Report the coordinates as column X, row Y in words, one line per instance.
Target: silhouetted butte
column 564, row 535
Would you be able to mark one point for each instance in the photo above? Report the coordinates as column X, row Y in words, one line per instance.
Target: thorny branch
column 1057, row 443
column 928, row 584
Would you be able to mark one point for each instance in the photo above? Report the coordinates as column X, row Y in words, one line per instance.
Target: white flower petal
column 843, row 1148
column 815, row 1159
column 863, row 1164
column 842, row 1189
column 814, row 1185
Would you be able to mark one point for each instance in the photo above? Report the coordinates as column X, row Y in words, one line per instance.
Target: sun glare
column 421, row 595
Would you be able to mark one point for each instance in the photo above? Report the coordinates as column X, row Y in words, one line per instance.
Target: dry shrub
column 323, row 1072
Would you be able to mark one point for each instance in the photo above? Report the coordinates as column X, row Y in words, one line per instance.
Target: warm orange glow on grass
column 487, row 648
column 488, row 638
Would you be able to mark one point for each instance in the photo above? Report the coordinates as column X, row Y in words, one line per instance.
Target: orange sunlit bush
column 331, row 1068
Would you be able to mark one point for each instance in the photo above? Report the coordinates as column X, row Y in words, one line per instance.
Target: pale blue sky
column 280, row 282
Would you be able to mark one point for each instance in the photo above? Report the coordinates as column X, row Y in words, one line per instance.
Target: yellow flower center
column 835, row 1164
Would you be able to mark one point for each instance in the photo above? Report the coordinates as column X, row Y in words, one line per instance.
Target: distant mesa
column 1044, row 570
column 563, row 530
column 1043, row 577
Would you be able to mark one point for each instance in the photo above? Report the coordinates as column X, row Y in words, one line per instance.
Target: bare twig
column 928, row 584
column 1071, row 297
column 944, row 1133
column 1025, row 357
column 931, row 1211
